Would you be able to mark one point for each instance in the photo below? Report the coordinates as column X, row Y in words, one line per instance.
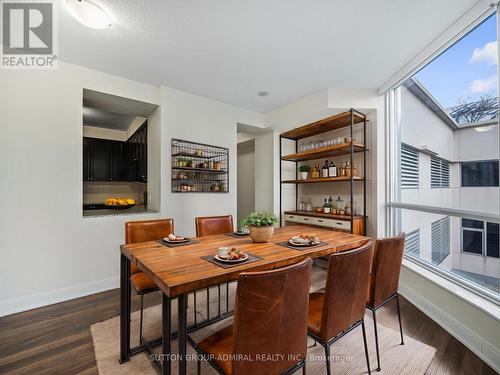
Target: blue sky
column 467, row 69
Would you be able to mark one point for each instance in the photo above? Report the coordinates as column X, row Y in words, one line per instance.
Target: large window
column 448, row 111
column 480, row 173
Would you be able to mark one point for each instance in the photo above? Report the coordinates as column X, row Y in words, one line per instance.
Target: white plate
column 293, row 243
column 167, row 240
column 224, row 260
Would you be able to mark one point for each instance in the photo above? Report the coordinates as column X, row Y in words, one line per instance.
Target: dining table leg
column 182, row 311
column 125, row 308
column 166, row 335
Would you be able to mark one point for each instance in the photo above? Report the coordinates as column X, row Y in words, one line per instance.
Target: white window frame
column 392, row 93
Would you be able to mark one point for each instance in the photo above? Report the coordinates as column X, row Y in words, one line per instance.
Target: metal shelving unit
column 199, row 167
column 339, row 121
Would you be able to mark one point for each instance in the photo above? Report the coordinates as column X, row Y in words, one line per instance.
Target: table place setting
column 302, row 242
column 174, row 241
column 227, row 257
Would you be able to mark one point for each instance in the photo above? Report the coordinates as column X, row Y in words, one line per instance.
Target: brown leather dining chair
column 341, row 307
column 384, row 279
column 143, row 231
column 209, row 226
column 270, row 321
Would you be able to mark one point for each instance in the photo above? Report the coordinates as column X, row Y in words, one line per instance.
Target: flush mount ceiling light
column 482, row 129
column 88, row 13
column 263, row 93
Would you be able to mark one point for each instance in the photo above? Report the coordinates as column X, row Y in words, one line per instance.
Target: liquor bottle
column 332, row 170
column 342, row 169
column 324, row 170
column 315, row 171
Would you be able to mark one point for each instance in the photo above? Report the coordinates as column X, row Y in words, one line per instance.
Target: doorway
column 245, row 179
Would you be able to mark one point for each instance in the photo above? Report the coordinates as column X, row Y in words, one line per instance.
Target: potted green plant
column 304, row 171
column 260, row 225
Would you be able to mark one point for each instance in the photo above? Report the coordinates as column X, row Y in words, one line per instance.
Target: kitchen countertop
column 136, row 210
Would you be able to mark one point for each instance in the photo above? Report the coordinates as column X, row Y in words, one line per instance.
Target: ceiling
column 111, row 111
column 104, row 119
column 229, row 50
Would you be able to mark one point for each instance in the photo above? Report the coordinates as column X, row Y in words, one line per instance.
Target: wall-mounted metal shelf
column 199, row 167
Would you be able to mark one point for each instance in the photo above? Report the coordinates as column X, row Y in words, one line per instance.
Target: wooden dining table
column 180, row 270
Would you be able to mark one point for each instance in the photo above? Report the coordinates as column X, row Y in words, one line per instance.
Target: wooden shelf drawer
column 322, row 222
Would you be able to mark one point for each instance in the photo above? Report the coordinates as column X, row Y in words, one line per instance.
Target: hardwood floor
column 56, row 339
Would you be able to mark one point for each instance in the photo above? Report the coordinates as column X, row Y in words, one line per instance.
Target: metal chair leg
column 376, row 339
column 399, row 318
column 198, row 367
column 327, row 353
column 227, row 297
column 304, row 369
column 218, row 296
column 366, row 347
column 208, row 304
column 194, row 302
column 141, row 319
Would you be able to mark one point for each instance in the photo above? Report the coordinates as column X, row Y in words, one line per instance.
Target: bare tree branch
column 467, row 111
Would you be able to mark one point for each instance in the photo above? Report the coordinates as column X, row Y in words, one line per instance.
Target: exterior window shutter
column 409, row 167
column 440, row 240
column 440, row 173
column 412, row 243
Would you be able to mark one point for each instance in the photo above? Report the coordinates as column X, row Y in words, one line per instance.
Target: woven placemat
column 300, row 248
column 190, row 242
column 236, row 236
column 251, row 258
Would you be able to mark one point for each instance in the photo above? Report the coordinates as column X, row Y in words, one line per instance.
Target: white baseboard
column 16, row 305
column 463, row 334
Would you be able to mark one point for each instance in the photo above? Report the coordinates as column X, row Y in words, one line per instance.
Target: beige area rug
column 347, row 354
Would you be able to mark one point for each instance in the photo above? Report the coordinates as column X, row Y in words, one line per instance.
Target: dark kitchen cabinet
column 137, row 155
column 99, row 159
column 86, row 159
column 116, row 161
column 106, row 160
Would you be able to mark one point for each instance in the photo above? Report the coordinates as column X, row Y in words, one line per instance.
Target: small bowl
column 318, row 210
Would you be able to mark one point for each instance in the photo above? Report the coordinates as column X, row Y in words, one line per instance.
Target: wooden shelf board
column 324, row 152
column 320, row 180
column 337, row 121
column 323, row 215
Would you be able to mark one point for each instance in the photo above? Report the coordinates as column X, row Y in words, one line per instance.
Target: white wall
column 198, row 119
column 49, row 251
